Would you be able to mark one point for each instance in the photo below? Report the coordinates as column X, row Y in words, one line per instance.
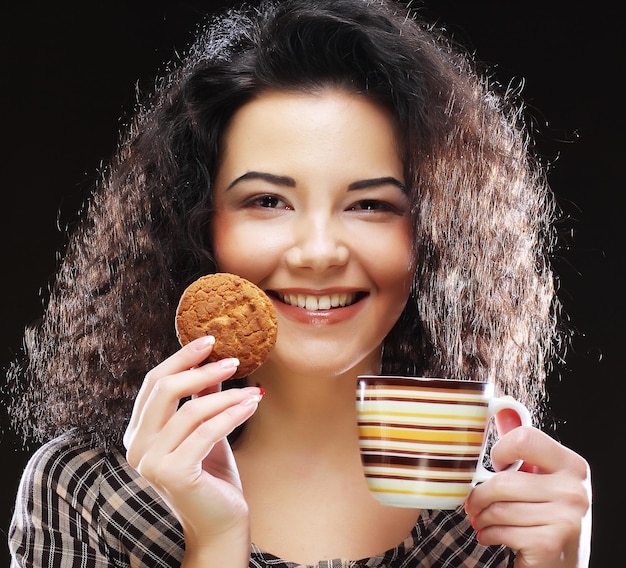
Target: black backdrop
column 68, row 80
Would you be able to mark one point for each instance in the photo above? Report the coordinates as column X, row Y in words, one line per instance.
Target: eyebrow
column 271, row 178
column 375, row 182
column 290, row 182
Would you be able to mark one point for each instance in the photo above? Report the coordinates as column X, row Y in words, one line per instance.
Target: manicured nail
column 229, row 363
column 256, row 394
column 252, row 399
column 256, row 391
column 203, row 343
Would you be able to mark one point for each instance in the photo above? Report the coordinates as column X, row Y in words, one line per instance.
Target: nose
column 319, row 244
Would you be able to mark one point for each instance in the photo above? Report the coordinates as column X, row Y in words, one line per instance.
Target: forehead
column 284, row 127
column 317, row 107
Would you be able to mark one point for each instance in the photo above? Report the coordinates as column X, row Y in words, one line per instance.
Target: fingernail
column 203, row 343
column 254, row 390
column 256, row 394
column 253, row 399
column 229, row 363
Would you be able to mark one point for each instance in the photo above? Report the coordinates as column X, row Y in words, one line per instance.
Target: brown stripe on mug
column 418, row 478
column 432, row 453
column 383, row 460
column 415, row 398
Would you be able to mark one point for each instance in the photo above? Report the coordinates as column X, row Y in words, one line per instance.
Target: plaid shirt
column 85, row 507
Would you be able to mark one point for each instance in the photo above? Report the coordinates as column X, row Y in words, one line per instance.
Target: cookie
column 236, row 312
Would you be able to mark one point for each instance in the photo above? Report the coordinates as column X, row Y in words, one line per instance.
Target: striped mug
column 422, row 440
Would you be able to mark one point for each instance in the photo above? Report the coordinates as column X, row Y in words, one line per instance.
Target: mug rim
column 387, row 378
column 413, row 383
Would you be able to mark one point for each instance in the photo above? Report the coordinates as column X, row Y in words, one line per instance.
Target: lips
column 320, row 302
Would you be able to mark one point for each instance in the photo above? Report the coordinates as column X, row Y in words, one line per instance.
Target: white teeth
column 324, row 303
column 318, row 302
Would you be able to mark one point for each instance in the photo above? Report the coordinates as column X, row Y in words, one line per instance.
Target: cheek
column 396, row 278
column 231, row 244
column 243, row 248
column 390, row 256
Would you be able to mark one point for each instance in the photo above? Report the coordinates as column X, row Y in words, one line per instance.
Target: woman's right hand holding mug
column 182, row 451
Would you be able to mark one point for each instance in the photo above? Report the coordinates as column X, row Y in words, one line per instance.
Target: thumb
column 507, row 420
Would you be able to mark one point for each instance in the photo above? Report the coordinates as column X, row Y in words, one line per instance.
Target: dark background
column 69, row 74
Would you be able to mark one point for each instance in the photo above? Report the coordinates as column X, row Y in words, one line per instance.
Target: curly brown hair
column 482, row 305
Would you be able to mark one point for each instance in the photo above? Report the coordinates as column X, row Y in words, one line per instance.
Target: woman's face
column 310, row 207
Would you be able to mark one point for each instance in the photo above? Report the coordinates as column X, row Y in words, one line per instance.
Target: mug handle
column 496, row 404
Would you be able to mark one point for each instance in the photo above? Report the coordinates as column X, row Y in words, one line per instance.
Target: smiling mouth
column 324, row 302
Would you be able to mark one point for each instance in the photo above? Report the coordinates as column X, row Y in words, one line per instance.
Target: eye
column 374, row 205
column 267, row 201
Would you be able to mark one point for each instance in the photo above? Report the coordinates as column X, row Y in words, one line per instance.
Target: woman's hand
column 183, row 452
column 542, row 511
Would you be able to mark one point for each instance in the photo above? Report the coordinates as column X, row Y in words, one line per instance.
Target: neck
column 302, row 476
column 312, row 415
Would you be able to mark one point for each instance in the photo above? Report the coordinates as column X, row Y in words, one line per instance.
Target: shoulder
column 70, row 461
column 87, row 475
column 69, row 474
column 93, row 494
column 63, row 461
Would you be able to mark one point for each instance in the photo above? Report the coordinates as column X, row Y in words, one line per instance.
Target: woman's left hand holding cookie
column 543, row 511
column 182, row 451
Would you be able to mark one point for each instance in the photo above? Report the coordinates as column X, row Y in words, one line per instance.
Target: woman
column 335, row 149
